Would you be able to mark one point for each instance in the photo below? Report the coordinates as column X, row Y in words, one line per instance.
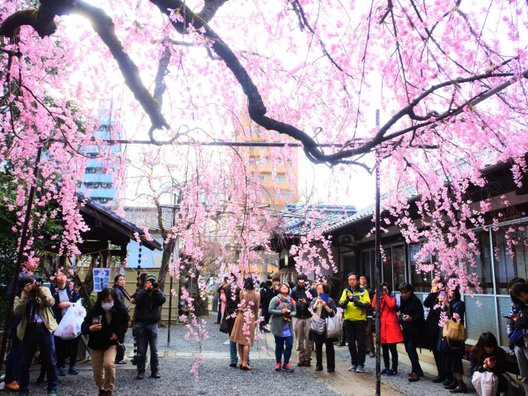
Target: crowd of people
column 40, row 307
column 296, row 312
column 304, row 312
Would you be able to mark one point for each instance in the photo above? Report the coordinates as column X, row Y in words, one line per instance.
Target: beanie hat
column 151, row 277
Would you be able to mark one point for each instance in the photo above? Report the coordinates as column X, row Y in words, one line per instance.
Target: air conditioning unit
column 347, row 239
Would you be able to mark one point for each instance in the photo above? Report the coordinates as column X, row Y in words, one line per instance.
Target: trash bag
column 70, row 324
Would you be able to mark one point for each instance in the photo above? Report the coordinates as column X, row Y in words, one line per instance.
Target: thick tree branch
column 210, row 8
column 42, row 21
column 103, row 25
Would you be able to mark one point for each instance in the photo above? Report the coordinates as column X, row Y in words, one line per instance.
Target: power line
column 218, row 143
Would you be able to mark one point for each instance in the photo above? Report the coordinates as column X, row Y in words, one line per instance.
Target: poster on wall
column 101, row 278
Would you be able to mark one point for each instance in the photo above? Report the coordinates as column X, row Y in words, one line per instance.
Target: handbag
column 334, row 326
column 454, row 332
column 318, row 325
column 223, row 326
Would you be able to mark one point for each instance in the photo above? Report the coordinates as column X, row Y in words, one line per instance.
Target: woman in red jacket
column 390, row 331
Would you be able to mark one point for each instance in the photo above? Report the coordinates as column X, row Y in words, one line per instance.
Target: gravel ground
column 216, row 377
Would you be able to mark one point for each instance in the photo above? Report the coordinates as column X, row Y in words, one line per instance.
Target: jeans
column 330, row 354
column 410, row 348
column 103, row 365
column 233, row 352
column 394, row 353
column 355, row 332
column 304, row 345
column 147, row 335
column 41, row 337
column 279, row 348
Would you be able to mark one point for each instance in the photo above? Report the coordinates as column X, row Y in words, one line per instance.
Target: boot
column 140, row 375
column 452, row 385
column 460, row 388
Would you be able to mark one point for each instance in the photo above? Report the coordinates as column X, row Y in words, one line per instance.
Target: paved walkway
column 215, row 377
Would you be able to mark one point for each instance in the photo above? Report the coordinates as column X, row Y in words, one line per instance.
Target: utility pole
column 377, row 255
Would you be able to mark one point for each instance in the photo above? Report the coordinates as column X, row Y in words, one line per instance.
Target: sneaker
column 121, row 362
column 360, row 369
column 61, row 371
column 233, row 365
column 372, row 354
column 52, row 392
column 140, row 375
column 385, row 371
column 353, row 367
column 227, row 342
column 392, row 372
column 287, row 368
column 278, row 367
column 12, row 386
column 73, row 371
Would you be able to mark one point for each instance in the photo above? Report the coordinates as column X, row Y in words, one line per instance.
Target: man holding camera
column 303, row 296
column 355, row 301
column 36, row 328
column 412, row 322
column 148, row 313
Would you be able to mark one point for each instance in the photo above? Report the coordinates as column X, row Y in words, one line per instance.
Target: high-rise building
column 275, row 168
column 99, row 178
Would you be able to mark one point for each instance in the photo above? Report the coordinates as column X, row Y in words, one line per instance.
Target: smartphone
column 96, row 319
column 324, row 297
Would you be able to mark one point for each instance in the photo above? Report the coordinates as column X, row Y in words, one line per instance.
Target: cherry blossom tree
column 449, row 77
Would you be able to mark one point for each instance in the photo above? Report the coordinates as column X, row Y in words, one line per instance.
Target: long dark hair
column 249, row 284
column 486, row 340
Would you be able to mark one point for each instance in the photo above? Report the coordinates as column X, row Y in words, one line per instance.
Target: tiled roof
column 302, row 219
column 90, row 203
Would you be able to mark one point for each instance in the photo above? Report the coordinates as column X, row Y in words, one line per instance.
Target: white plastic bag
column 70, row 325
column 485, row 383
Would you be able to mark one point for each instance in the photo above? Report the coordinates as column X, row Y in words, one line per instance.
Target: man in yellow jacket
column 355, row 301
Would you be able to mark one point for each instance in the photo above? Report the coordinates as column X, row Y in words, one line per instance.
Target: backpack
column 290, row 301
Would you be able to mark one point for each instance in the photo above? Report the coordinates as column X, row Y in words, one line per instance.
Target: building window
column 421, row 281
column 507, row 267
column 483, row 264
column 398, row 265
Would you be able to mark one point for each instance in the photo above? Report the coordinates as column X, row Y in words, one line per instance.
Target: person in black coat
column 454, row 351
column 105, row 323
column 412, row 321
column 324, row 307
column 432, row 328
column 148, row 313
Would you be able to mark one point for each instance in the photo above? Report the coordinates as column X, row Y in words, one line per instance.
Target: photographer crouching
column 36, row 328
column 148, row 313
